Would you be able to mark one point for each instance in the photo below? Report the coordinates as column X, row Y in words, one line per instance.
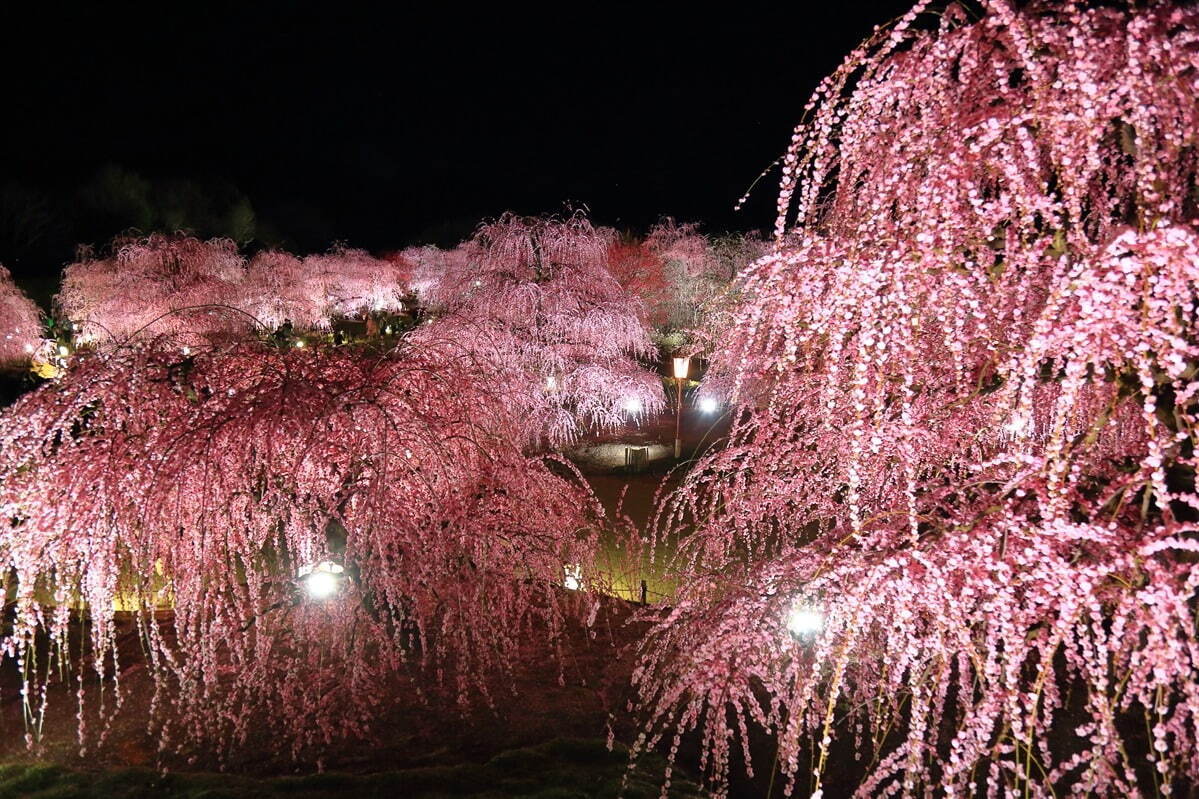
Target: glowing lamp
column 573, row 580
column 708, row 405
column 551, row 383
column 321, row 580
column 64, row 350
column 299, row 343
column 632, row 404
column 682, row 366
column 804, row 621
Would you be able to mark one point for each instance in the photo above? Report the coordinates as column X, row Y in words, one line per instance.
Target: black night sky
column 384, row 129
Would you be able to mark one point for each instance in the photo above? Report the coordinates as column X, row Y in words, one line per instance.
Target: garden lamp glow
column 321, row 580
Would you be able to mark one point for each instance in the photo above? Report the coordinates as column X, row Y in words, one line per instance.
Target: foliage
column 685, row 279
column 532, row 301
column 966, row 382
column 641, row 272
column 206, row 483
column 117, row 198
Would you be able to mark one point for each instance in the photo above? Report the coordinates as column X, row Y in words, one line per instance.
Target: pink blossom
column 20, row 324
column 966, row 383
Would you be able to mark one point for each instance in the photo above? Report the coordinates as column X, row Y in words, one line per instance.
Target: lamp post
column 681, row 367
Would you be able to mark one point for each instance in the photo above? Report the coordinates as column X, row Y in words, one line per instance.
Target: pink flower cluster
column 210, row 484
column 967, row 378
column 206, row 291
column 533, row 307
column 20, row 324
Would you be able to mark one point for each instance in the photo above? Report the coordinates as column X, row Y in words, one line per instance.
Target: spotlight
column 708, row 405
column 804, row 620
column 322, row 580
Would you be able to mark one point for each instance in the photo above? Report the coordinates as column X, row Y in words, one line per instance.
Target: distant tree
column 313, row 291
column 205, row 290
column 20, row 324
column 29, row 222
column 155, row 285
column 280, row 288
column 685, row 279
column 427, row 265
column 119, row 200
column 359, row 284
column 533, row 301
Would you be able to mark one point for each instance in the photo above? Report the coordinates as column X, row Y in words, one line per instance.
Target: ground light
column 804, row 620
column 708, row 405
column 632, row 405
column 573, row 579
column 321, row 580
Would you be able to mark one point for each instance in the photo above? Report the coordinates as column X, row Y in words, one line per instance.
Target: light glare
column 321, row 585
column 321, row 580
column 804, row 620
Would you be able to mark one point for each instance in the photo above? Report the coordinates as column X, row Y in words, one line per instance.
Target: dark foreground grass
column 564, row 768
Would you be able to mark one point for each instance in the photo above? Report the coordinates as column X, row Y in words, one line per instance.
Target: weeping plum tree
column 204, row 291
column 20, row 324
column 532, row 300
column 955, row 526
column 214, row 485
column 313, row 291
column 160, row 284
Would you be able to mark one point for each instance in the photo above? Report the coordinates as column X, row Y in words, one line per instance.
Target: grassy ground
column 559, row 769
